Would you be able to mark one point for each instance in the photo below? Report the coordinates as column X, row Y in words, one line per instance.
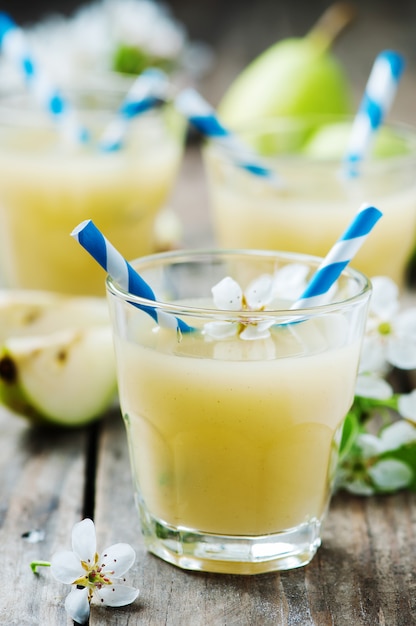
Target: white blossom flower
column 228, row 296
column 390, row 335
column 87, row 40
column 377, row 462
column 286, row 283
column 407, row 405
column 368, row 470
column 392, row 437
column 93, row 574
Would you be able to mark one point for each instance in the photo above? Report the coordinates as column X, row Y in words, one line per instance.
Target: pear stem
column 35, row 564
column 331, row 23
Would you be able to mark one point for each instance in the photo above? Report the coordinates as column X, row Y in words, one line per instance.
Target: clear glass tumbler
column 314, row 200
column 48, row 184
column 233, row 424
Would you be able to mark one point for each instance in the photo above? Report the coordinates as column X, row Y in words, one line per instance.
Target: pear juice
column 234, row 403
column 48, row 187
column 315, row 200
column 235, row 437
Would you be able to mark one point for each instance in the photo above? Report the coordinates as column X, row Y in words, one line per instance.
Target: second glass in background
column 315, row 201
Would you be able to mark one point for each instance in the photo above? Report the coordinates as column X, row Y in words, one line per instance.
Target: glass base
column 199, row 551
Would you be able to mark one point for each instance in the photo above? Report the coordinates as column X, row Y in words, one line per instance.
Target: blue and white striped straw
column 94, row 242
column 376, row 102
column 148, row 91
column 338, row 257
column 202, row 115
column 14, row 45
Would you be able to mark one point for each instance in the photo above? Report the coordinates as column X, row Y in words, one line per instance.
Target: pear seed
column 8, row 371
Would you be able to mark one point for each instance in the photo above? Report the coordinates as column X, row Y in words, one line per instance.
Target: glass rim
column 19, row 107
column 182, row 256
column 34, row 116
column 271, row 125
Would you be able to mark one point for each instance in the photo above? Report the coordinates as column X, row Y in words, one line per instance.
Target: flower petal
column 391, row 474
column 407, row 405
column 117, row 595
column 359, row 487
column 118, row 559
column 370, row 445
column 371, row 386
column 372, row 355
column 384, row 298
column 290, row 281
column 405, row 323
column 66, row 567
column 220, row 330
column 259, row 292
column 259, row 330
column 84, row 542
column 397, row 435
column 227, row 295
column 77, row 605
column 401, row 352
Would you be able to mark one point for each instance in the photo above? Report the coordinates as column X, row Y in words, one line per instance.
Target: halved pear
column 66, row 377
column 26, row 312
column 56, row 356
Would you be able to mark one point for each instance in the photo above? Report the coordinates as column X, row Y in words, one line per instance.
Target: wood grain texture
column 42, row 475
column 363, row 574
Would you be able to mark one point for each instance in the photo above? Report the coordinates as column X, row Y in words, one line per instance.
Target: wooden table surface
column 364, row 573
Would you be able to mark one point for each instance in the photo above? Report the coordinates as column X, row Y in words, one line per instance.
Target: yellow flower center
column 384, row 328
column 95, row 577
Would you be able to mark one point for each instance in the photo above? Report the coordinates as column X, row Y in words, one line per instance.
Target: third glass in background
column 316, row 201
column 48, row 185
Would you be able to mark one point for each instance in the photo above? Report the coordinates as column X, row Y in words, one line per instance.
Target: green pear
column 56, row 357
column 330, row 142
column 294, row 77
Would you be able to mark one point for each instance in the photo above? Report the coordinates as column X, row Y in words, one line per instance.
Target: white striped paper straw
column 202, row 115
column 94, row 242
column 338, row 257
column 376, row 102
column 14, row 45
column 148, row 91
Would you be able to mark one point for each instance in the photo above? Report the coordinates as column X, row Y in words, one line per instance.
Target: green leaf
column 350, row 430
column 130, row 60
column 133, row 60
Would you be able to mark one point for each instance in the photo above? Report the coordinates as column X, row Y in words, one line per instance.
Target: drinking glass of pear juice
column 48, row 184
column 233, row 442
column 314, row 200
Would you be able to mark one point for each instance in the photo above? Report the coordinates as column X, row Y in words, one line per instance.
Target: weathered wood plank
column 41, row 488
column 363, row 574
column 366, row 563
